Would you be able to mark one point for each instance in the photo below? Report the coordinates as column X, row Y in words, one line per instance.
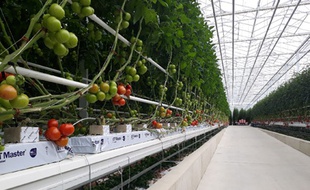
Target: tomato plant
column 63, row 39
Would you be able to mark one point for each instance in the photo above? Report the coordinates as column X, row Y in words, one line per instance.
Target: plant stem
column 6, row 36
column 15, row 55
column 132, row 48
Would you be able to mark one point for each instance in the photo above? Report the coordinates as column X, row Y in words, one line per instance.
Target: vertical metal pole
column 82, row 101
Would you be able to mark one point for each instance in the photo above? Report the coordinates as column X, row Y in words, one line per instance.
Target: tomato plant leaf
column 149, row 15
column 180, row 34
column 192, row 54
column 163, row 3
column 184, row 19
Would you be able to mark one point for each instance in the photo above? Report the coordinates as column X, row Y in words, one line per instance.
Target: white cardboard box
column 21, row 156
column 99, row 129
column 21, row 134
column 88, row 144
column 97, row 144
column 126, row 128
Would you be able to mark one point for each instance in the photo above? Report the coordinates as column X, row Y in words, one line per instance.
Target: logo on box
column 33, row 152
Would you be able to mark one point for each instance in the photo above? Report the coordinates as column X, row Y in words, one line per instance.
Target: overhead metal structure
column 260, row 44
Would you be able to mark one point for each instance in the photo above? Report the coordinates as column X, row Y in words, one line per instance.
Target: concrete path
column 249, row 159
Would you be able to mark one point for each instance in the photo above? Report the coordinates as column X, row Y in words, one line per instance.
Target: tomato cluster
column 163, row 113
column 121, row 90
column 58, row 134
column 82, row 8
column 10, row 94
column 57, row 38
column 131, row 74
column 194, row 123
column 157, row 125
column 101, row 91
column 172, row 69
column 138, row 42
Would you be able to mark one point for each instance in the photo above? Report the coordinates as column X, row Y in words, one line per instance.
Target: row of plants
column 288, row 104
column 241, row 114
column 59, row 35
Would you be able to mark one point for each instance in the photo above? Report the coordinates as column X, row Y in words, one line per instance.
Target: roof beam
column 277, row 73
column 260, row 47
column 253, row 56
column 271, row 37
column 233, row 51
column 260, row 9
column 261, row 68
column 219, row 42
column 249, row 47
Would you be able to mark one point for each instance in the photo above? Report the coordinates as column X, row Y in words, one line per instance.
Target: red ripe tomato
column 169, row 112
column 128, row 92
column 128, row 86
column 159, row 126
column 62, row 141
column 116, row 98
column 122, row 102
column 115, row 103
column 154, row 123
column 66, row 129
column 52, row 133
column 121, row 89
column 52, row 123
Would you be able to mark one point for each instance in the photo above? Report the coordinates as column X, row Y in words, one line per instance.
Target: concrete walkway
column 249, row 159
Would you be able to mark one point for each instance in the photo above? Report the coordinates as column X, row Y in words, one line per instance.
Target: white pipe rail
column 63, row 81
column 124, row 40
column 51, row 70
column 45, row 77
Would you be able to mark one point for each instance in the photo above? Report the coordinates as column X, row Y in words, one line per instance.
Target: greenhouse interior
column 155, row 94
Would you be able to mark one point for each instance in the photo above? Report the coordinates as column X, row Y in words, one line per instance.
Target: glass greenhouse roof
column 260, row 44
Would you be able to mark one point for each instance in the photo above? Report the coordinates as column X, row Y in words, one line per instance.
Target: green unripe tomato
column 62, row 36
column 127, row 16
column 125, row 24
column 56, row 11
column 53, row 24
column 85, row 2
column 136, row 78
column 73, row 41
column 11, row 80
column 20, row 101
column 76, row 7
column 49, row 43
column 87, row 11
column 60, row 49
column 129, row 78
column 91, row 98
